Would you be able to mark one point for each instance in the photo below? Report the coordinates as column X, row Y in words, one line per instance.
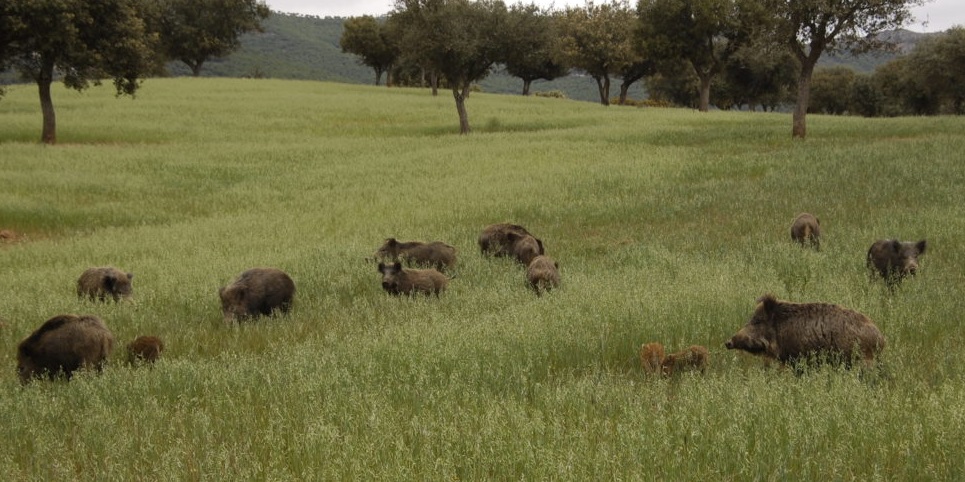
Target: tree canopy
column 534, row 50
column 369, row 39
column 812, row 27
column 459, row 39
column 596, row 41
column 704, row 32
column 82, row 41
column 194, row 31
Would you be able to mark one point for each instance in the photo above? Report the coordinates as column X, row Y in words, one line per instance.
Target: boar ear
column 769, row 302
column 539, row 242
column 109, row 281
column 130, row 276
column 391, row 242
column 920, row 246
column 512, row 237
column 381, row 267
column 896, row 245
column 397, row 266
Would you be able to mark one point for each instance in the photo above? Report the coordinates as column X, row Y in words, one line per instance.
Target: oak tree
column 533, row 50
column 812, row 27
column 194, row 31
column 80, row 41
column 460, row 40
column 369, row 39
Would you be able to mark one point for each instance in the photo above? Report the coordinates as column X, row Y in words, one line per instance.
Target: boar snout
column 741, row 341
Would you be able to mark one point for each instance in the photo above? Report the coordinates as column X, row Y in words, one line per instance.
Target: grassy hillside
column 667, row 225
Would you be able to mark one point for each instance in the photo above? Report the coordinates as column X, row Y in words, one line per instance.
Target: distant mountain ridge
column 307, row 47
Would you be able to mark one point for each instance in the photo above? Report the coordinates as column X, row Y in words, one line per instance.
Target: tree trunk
column 460, row 97
column 195, row 67
column 44, row 79
column 624, row 89
column 799, row 126
column 704, row 92
column 378, row 76
column 526, row 84
column 603, row 84
column 434, row 83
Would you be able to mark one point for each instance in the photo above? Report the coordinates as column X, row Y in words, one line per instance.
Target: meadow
column 667, row 225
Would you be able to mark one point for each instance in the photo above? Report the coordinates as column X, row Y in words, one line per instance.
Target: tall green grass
column 667, row 225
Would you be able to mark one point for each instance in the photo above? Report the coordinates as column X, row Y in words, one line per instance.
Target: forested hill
column 307, row 47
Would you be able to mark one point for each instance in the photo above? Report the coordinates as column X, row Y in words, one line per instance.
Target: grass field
column 667, row 225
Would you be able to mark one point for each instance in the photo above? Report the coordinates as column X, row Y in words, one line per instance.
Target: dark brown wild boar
column 105, row 282
column 806, row 230
column 894, row 260
column 495, row 241
column 525, row 248
column 693, row 358
column 63, row 345
column 397, row 280
column 257, row 291
column 144, row 349
column 543, row 274
column 789, row 332
column 436, row 254
column 651, row 357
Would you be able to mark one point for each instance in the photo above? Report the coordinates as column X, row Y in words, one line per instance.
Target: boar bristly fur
column 105, row 282
column 435, row 254
column 498, row 239
column 789, row 332
column 894, row 260
column 693, row 358
column 144, row 349
column 398, row 280
column 257, row 291
column 543, row 274
column 651, row 357
column 62, row 345
column 806, row 230
column 525, row 248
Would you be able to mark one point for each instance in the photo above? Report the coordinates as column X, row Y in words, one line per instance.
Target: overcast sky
column 940, row 14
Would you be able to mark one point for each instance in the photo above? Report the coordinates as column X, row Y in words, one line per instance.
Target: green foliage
column 812, row 27
column 831, row 90
column 703, row 32
column 533, row 47
column 82, row 42
column 194, row 31
column 598, row 40
column 457, row 39
column 369, row 39
column 666, row 225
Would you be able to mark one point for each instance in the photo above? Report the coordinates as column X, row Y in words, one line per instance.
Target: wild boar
column 397, row 280
column 257, row 291
column 789, row 332
column 62, row 345
column 543, row 274
column 144, row 349
column 894, row 260
column 525, row 248
column 693, row 358
column 494, row 239
column 436, row 254
column 651, row 357
column 105, row 282
column 806, row 230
